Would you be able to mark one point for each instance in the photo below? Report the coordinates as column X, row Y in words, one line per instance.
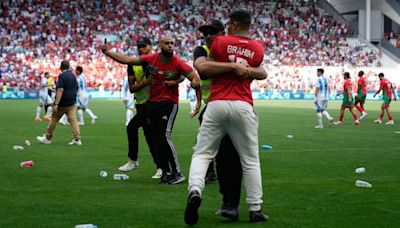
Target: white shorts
column 321, row 105
column 82, row 100
column 45, row 99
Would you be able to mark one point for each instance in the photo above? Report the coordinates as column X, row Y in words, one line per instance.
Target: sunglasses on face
column 141, row 46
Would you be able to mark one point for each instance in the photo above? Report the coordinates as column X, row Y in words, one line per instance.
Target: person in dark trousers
column 235, row 61
column 229, row 169
column 139, row 85
column 162, row 106
column 65, row 103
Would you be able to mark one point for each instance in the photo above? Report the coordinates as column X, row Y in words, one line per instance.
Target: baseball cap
column 143, row 41
column 214, row 25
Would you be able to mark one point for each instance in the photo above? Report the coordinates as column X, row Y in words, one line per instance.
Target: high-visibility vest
column 205, row 85
column 142, row 95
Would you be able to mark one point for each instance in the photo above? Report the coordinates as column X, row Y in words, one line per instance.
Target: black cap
column 214, row 25
column 143, row 41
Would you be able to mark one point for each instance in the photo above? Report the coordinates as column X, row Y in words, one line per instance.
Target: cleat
column 129, row 166
column 378, row 121
column 337, row 123
column 47, row 118
column 331, row 122
column 319, row 127
column 228, row 212
column 363, row 115
column 158, row 174
column 390, row 122
column 81, row 123
column 193, row 204
column 43, row 139
column 176, row 178
column 94, row 120
column 257, row 216
column 75, row 142
column 357, row 122
column 38, row 119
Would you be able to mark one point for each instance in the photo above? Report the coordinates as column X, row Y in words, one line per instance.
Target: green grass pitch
column 308, row 181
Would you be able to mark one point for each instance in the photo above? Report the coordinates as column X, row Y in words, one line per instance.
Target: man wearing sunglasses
column 237, row 62
column 229, row 169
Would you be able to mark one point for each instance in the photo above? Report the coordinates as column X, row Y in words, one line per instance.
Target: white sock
column 49, row 111
column 64, row 118
column 38, row 111
column 319, row 118
column 129, row 115
column 326, row 114
column 90, row 113
column 80, row 116
column 192, row 106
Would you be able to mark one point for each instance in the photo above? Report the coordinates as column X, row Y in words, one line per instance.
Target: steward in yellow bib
column 139, row 86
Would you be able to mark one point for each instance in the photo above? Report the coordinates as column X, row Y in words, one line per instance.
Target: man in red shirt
column 348, row 101
column 388, row 92
column 162, row 105
column 230, row 112
column 361, row 94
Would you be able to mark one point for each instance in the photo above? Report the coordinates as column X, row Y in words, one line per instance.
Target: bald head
column 167, row 46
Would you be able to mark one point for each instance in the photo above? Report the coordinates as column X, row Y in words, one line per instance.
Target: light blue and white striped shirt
column 323, row 86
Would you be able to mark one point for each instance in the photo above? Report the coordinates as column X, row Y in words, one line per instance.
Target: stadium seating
column 37, row 35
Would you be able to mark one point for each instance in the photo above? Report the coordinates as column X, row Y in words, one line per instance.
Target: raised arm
column 121, row 58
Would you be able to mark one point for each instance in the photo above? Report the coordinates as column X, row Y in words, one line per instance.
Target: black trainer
column 228, row 212
column 165, row 177
column 193, row 204
column 176, row 178
column 257, row 216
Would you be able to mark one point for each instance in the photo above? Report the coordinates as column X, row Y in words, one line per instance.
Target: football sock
column 38, row 111
column 90, row 113
column 319, row 118
column 80, row 116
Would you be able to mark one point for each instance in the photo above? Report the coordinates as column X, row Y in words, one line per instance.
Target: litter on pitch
column 397, row 132
column 289, row 136
column 17, row 147
column 266, row 147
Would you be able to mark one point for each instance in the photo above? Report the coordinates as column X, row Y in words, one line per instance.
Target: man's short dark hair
column 64, row 65
column 346, row 74
column 361, row 73
column 242, row 17
column 381, row 75
column 79, row 68
column 320, row 70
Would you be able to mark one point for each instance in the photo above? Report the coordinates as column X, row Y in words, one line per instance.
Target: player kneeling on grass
column 388, row 93
column 348, row 101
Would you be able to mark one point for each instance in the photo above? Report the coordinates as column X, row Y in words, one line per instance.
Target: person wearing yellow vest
column 138, row 84
column 238, row 76
column 229, row 169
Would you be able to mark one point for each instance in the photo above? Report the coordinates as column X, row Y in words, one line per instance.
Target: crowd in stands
column 36, row 35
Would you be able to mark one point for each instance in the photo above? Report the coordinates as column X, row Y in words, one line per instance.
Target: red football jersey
column 362, row 85
column 347, row 85
column 386, row 86
column 238, row 49
column 162, row 72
